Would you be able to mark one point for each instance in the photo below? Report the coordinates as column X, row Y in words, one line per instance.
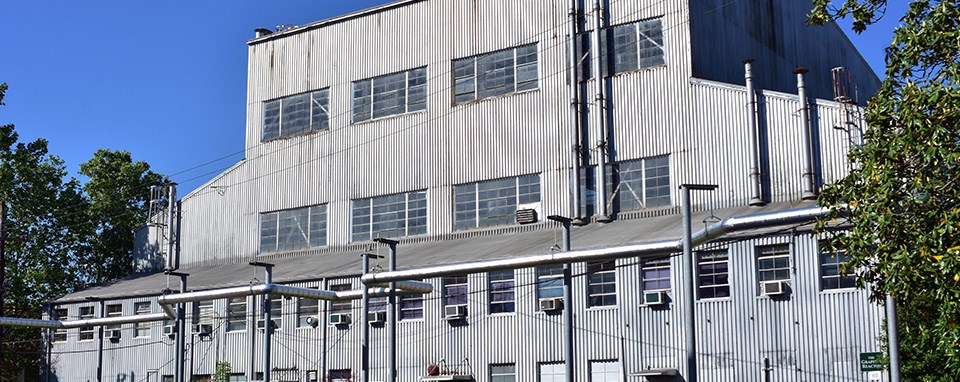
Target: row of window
column 713, row 281
column 626, row 47
column 633, row 184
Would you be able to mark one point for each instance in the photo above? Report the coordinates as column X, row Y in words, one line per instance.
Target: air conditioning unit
column 551, row 304
column 170, row 330
column 377, row 317
column 454, row 312
column 774, row 288
column 655, row 297
column 203, row 329
column 339, row 319
column 260, row 324
column 113, row 334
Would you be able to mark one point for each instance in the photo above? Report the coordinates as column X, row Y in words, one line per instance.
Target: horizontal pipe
column 54, row 324
column 30, row 322
column 712, row 232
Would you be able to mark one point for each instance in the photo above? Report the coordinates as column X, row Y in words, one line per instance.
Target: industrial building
column 474, row 133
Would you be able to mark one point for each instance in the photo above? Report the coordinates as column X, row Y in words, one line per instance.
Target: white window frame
column 498, row 284
column 60, row 334
column 86, row 312
column 601, row 275
column 830, row 268
column 503, row 372
column 236, row 318
column 712, row 258
column 467, row 76
column 773, row 263
column 654, row 284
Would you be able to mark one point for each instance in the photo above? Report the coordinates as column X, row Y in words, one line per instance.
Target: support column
column 391, row 312
column 690, row 328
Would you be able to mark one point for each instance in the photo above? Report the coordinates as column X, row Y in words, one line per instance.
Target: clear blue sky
column 164, row 80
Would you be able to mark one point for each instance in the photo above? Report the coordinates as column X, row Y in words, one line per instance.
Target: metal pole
column 364, row 327
column 807, row 149
column 391, row 312
column 755, row 189
column 181, row 330
column 267, row 323
column 574, row 106
column 103, row 311
column 894, row 338
column 690, row 339
column 171, row 202
column 600, row 117
column 3, row 267
column 567, row 300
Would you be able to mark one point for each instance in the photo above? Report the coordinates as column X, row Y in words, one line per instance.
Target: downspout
column 602, row 214
column 103, row 313
column 809, row 191
column 755, row 191
column 574, row 107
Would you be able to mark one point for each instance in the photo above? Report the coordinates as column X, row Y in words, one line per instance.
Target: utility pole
column 690, row 328
column 568, row 352
column 391, row 311
column 3, row 268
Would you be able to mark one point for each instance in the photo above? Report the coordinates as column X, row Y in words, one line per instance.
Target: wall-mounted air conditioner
column 203, row 329
column 339, row 319
column 454, row 312
column 170, row 330
column 377, row 317
column 774, row 288
column 551, row 304
column 113, row 334
column 654, row 298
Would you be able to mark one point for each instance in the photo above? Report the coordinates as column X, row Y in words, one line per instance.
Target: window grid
column 496, row 73
column 411, row 307
column 552, row 372
column 604, row 371
column 395, row 215
column 656, row 274
column 390, row 94
column 306, row 308
column 831, row 271
column 378, row 304
column 296, row 114
column 341, row 306
column 60, row 334
column 141, row 329
column 293, row 229
column 113, row 310
column 86, row 332
column 501, row 291
column 503, row 373
column 625, row 48
column 204, row 312
column 773, row 263
column 550, row 282
column 237, row 314
column 601, row 284
column 454, row 290
column 276, row 312
column 493, row 202
column 713, row 274
column 633, row 185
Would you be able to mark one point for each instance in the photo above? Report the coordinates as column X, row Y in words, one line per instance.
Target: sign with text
column 871, row 361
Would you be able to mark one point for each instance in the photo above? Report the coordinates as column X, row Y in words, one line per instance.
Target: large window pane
column 713, row 274
column 296, row 114
column 495, row 73
column 396, row 215
column 493, row 202
column 293, row 229
column 390, row 94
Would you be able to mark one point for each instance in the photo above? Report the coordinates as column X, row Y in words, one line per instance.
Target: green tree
column 222, row 372
column 118, row 191
column 902, row 200
column 43, row 235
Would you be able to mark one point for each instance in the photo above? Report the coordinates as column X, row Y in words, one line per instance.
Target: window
column 455, row 290
column 550, row 282
column 204, row 312
column 339, row 375
column 341, row 306
column 773, row 263
column 713, row 274
column 306, row 308
column 636, row 45
column 601, row 284
column 552, row 372
column 411, row 307
column 604, row 371
column 293, row 229
column 86, row 332
column 501, row 291
column 201, row 378
column 141, row 329
column 655, row 274
column 831, row 271
column 390, row 94
column 237, row 313
column 238, row 378
column 495, row 73
column 59, row 334
column 503, row 373
column 296, row 114
column 276, row 312
column 113, row 310
column 493, row 202
column 633, row 185
column 396, row 215
column 378, row 304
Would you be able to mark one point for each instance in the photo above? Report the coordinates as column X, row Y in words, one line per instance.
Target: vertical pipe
column 688, row 324
column 574, row 89
column 807, row 149
column 364, row 325
column 181, row 332
column 171, row 202
column 600, row 116
column 567, row 306
column 755, row 190
column 894, row 338
column 323, row 336
column 392, row 317
column 267, row 327
column 103, row 312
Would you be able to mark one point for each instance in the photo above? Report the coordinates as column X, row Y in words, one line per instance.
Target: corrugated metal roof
column 443, row 251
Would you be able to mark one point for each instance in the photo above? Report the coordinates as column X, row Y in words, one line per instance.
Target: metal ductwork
column 602, row 215
column 809, row 191
column 756, row 195
column 710, row 233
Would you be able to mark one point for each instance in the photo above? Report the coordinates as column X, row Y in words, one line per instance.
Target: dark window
column 713, row 274
column 237, row 313
column 306, row 308
column 831, row 271
column 59, row 335
column 495, row 73
column 293, row 229
column 503, row 373
column 601, row 284
column 655, row 274
column 632, row 185
column 395, row 215
column 773, row 262
column 86, row 332
column 296, row 114
column 550, row 281
column 455, row 290
column 390, row 94
column 411, row 307
column 341, row 306
column 501, row 291
column 493, row 202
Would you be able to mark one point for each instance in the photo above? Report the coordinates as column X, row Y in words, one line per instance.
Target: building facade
column 444, row 124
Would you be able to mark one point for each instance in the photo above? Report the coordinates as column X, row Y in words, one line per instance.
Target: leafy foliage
column 903, row 198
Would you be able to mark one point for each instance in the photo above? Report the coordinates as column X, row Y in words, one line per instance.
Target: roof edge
column 332, row 21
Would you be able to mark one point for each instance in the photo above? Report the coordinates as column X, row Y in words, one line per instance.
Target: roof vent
column 262, row 32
